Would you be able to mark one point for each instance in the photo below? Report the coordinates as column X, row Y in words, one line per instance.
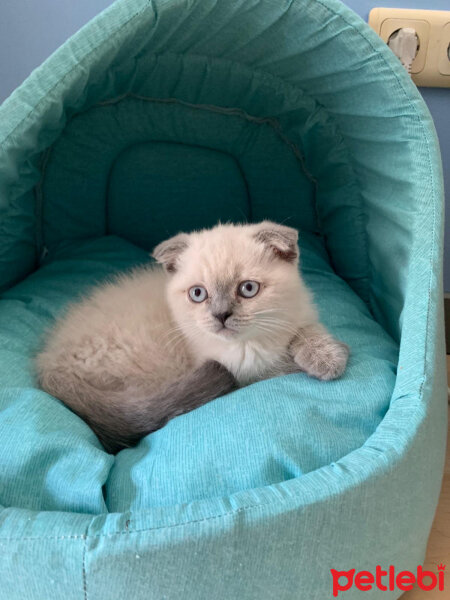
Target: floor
column 439, row 544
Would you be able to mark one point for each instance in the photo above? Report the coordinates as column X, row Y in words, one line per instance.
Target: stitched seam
column 330, row 122
column 402, row 88
column 274, row 123
column 329, row 10
column 278, row 500
column 431, row 178
column 432, row 249
column 42, row 249
column 235, row 112
column 39, row 212
column 278, row 130
column 121, row 152
column 84, row 565
column 60, row 81
column 62, row 537
column 148, row 529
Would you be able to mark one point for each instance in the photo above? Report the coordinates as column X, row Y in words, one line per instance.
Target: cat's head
column 232, row 281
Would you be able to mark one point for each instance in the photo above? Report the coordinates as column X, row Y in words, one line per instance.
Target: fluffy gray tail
column 121, row 419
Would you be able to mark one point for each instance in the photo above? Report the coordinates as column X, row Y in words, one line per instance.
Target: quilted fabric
column 169, row 114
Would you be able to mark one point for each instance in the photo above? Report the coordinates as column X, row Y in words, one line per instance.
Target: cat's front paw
column 322, row 356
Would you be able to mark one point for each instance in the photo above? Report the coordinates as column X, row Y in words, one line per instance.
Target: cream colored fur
column 130, row 339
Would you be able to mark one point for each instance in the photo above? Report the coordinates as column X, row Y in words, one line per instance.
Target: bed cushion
column 266, row 433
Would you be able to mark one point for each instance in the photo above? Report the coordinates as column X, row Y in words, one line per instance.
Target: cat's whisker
column 277, row 324
column 284, row 325
column 173, row 332
column 175, row 344
column 180, row 331
column 188, row 330
column 136, row 371
column 178, row 335
column 264, row 329
column 280, row 329
column 271, row 310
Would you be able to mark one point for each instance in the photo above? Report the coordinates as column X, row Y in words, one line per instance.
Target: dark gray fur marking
column 282, row 241
column 168, row 252
column 129, row 415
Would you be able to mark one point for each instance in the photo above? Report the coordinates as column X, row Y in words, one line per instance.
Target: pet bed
column 165, row 116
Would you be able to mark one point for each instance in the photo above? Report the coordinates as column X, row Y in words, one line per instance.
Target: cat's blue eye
column 248, row 289
column 197, row 293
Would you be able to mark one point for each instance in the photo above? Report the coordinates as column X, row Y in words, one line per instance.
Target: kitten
column 228, row 308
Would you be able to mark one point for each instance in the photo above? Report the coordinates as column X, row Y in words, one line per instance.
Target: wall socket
column 431, row 66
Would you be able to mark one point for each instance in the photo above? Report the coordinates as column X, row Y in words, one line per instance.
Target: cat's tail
column 120, row 418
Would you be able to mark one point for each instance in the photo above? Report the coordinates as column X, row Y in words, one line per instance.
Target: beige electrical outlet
column 431, row 67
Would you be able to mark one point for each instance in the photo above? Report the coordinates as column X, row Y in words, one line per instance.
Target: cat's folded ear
column 167, row 253
column 280, row 240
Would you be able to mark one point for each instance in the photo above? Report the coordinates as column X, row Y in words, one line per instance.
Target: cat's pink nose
column 222, row 317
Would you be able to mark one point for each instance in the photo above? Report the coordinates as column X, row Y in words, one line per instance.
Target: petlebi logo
column 387, row 579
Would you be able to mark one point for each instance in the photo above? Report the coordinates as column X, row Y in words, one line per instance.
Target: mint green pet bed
column 165, row 116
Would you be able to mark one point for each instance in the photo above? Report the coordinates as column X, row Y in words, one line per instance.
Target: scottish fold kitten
column 227, row 307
